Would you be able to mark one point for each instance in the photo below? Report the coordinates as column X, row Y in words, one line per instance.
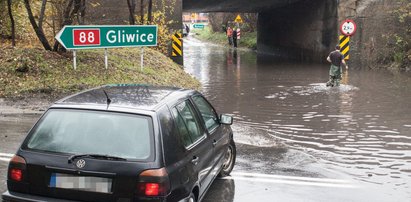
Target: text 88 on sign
column 107, row 36
column 86, row 37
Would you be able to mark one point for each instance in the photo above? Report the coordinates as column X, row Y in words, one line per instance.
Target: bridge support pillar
column 175, row 52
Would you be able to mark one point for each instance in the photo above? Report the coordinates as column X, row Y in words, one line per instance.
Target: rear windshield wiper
column 96, row 156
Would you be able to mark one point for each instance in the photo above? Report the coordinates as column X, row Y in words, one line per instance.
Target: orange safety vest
column 229, row 32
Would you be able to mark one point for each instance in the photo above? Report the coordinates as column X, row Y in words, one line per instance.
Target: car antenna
column 108, row 99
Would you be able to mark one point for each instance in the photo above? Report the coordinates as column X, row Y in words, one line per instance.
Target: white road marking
column 5, row 157
column 279, row 179
column 311, row 179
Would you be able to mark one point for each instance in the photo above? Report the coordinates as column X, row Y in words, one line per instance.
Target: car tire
column 229, row 160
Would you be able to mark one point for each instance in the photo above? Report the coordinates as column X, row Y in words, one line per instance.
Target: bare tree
column 74, row 9
column 78, row 11
column 132, row 10
column 251, row 20
column 81, row 12
column 39, row 31
column 150, row 11
column 142, row 11
column 42, row 11
column 13, row 32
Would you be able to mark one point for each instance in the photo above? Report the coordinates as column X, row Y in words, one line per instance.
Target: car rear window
column 93, row 132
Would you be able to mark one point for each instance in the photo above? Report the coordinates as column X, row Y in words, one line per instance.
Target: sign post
column 106, row 36
column 74, row 60
column 347, row 28
column 142, row 59
column 105, row 58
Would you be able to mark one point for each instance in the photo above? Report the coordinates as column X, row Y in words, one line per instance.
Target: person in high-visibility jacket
column 230, row 35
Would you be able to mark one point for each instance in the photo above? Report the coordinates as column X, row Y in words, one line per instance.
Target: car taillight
column 17, row 168
column 151, row 189
column 16, row 174
column 153, row 183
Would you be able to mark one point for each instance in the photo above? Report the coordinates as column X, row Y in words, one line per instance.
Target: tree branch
column 42, row 11
column 13, row 32
column 39, row 31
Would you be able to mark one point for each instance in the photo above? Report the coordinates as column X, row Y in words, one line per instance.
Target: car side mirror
column 226, row 119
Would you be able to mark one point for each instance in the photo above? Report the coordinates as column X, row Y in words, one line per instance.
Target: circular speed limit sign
column 348, row 27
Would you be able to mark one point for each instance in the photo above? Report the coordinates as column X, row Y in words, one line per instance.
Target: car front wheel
column 229, row 160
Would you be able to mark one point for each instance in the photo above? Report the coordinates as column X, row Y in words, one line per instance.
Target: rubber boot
column 330, row 82
column 337, row 82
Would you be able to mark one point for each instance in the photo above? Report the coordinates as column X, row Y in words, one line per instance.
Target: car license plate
column 83, row 183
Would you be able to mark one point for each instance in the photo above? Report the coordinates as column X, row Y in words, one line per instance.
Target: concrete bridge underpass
column 303, row 30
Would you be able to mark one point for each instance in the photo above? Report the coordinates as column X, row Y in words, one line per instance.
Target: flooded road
column 287, row 122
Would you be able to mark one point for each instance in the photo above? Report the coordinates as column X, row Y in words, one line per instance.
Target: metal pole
column 74, row 59
column 105, row 58
column 142, row 59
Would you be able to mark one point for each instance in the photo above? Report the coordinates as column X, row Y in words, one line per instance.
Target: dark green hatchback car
column 123, row 143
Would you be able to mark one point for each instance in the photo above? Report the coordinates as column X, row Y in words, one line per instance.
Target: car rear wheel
column 229, row 160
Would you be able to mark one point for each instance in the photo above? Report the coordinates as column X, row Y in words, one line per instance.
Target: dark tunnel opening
column 304, row 30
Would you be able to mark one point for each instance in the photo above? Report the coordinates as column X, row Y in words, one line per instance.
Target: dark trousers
column 235, row 42
column 230, row 41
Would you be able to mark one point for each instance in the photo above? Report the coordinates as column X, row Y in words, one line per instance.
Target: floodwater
column 360, row 130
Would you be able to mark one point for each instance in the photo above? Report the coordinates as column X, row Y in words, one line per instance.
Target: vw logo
column 81, row 163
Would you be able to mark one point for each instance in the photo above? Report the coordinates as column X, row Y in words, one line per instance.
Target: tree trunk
column 39, row 32
column 131, row 8
column 142, row 11
column 79, row 9
column 67, row 20
column 150, row 11
column 66, row 14
column 82, row 12
column 13, row 32
column 76, row 9
column 42, row 11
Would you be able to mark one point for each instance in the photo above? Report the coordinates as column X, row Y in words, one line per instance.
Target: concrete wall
column 304, row 31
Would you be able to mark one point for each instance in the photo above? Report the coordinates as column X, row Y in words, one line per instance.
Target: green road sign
column 198, row 26
column 107, row 36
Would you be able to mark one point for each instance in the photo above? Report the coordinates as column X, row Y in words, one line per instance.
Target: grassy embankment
column 248, row 39
column 28, row 71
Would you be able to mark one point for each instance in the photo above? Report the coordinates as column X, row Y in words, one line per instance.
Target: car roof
column 136, row 96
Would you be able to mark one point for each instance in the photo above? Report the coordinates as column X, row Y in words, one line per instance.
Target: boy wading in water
column 336, row 58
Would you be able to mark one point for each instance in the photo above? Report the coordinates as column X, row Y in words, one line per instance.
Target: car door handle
column 215, row 143
column 195, row 160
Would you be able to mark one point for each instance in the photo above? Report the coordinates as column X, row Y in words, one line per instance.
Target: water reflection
column 362, row 128
column 224, row 193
